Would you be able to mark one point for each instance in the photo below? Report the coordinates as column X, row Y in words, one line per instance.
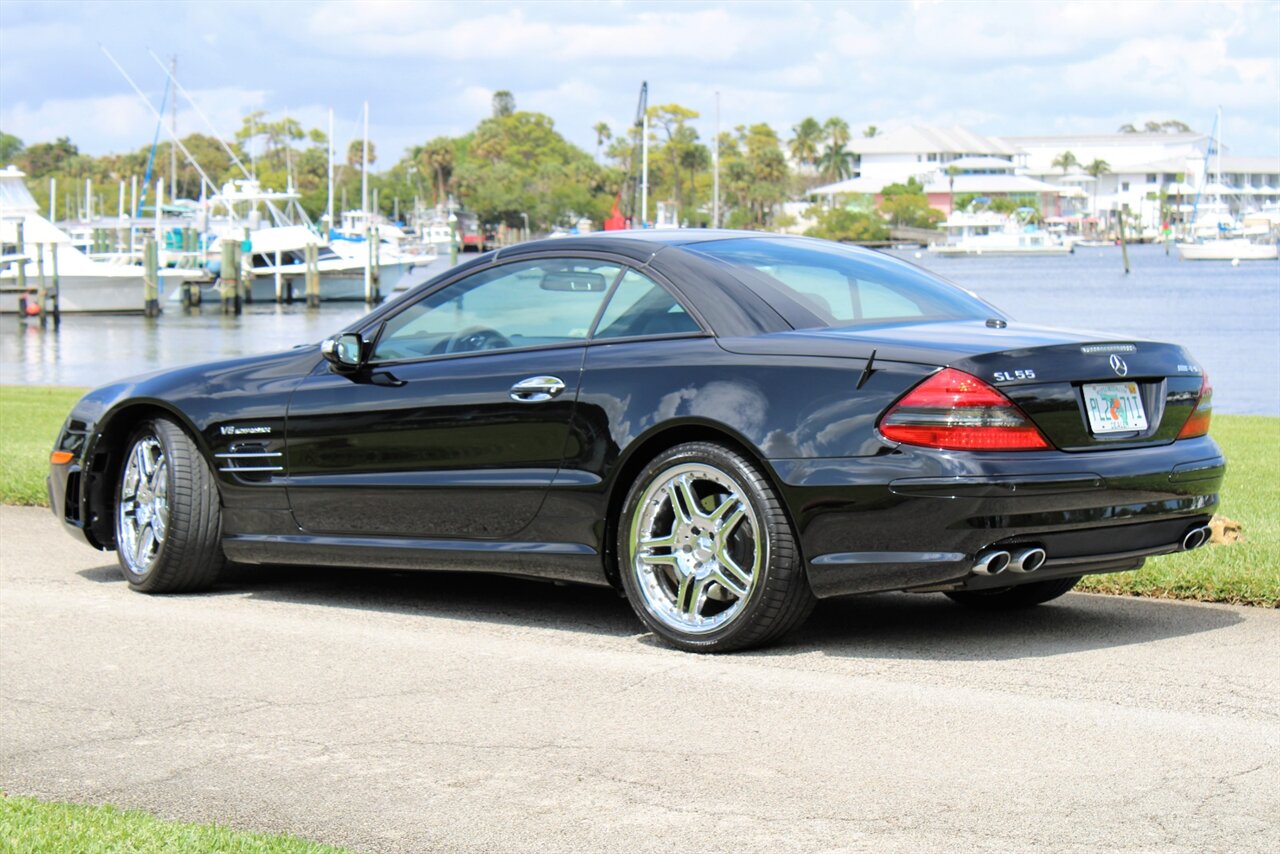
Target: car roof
column 636, row 243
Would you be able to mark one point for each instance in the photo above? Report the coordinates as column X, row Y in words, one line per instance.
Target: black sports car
column 722, row 425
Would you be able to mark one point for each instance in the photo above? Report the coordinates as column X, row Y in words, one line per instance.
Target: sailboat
column 1215, row 233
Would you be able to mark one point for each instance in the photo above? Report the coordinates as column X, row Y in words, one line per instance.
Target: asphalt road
column 402, row 712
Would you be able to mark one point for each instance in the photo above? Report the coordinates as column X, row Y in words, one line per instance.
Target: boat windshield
column 815, row 284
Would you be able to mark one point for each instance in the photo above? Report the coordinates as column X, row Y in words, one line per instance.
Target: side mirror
column 345, row 352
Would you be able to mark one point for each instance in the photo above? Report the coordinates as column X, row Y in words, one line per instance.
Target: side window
column 640, row 306
column 526, row 304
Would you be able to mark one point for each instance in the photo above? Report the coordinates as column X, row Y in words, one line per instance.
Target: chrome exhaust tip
column 1196, row 537
column 1027, row 560
column 991, row 563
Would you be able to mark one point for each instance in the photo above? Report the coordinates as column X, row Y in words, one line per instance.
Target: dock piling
column 313, row 276
column 151, row 277
column 21, row 266
column 41, row 291
column 57, row 299
column 1124, row 246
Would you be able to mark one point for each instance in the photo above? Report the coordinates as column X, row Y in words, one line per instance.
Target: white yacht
column 84, row 284
column 991, row 233
column 279, row 231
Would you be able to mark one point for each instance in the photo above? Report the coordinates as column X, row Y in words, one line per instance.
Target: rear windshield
column 815, row 284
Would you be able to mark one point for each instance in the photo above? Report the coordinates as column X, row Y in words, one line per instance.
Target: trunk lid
column 1043, row 370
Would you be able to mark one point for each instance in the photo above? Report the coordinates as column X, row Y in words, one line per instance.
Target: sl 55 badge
column 1010, row 376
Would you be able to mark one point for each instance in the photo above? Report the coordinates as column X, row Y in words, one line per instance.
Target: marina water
column 1228, row 317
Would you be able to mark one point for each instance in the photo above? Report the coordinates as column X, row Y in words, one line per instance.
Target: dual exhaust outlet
column 1032, row 558
column 1019, row 560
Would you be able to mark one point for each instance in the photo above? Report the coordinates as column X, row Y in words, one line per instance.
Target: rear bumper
column 917, row 518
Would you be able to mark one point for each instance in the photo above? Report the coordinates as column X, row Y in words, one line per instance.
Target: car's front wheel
column 168, row 514
column 707, row 556
column 1018, row 596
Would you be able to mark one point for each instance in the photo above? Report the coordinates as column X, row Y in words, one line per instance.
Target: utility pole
column 715, row 166
column 644, row 169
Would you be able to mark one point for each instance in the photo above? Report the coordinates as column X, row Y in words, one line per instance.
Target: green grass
column 1243, row 573
column 1247, row 572
column 30, row 417
column 27, row 824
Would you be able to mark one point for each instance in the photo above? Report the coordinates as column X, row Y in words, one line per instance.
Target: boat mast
column 364, row 164
column 715, row 166
column 173, row 130
column 329, row 203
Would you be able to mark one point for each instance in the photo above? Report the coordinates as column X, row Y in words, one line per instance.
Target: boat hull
column 937, row 249
column 94, row 294
column 1227, row 250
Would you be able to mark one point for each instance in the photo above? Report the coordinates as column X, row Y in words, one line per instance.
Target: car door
column 458, row 424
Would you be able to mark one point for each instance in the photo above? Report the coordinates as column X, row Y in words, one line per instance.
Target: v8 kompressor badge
column 229, row 430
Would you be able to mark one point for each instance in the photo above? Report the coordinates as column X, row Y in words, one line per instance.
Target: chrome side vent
column 249, row 458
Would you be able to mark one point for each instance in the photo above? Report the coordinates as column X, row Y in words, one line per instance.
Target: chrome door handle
column 537, row 389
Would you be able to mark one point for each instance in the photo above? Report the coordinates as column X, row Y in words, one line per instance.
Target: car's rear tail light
column 958, row 411
column 1198, row 423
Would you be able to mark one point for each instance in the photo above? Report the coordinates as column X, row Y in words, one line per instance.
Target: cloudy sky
column 430, row 68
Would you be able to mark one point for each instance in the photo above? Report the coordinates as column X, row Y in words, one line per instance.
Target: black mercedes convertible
column 724, row 426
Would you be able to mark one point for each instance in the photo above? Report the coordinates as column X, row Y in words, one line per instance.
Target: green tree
column 1065, row 161
column 673, row 120
column 847, row 225
column 754, row 175
column 1097, row 169
column 436, row 158
column 837, row 131
column 355, row 153
column 603, row 135
column 806, row 140
column 871, row 131
column 906, row 205
column 504, row 103
column 10, row 148
column 836, row 162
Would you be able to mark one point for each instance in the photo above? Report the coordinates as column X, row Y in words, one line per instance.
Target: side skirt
column 572, row 562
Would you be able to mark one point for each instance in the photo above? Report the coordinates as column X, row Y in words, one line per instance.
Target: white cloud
column 431, row 68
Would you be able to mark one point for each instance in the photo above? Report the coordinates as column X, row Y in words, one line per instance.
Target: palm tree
column 836, row 162
column 952, row 172
column 437, row 156
column 1065, row 161
column 1096, row 169
column 871, row 131
column 804, row 143
column 603, row 135
column 837, row 131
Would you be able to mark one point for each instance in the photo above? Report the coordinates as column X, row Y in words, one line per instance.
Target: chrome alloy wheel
column 142, row 514
column 697, row 548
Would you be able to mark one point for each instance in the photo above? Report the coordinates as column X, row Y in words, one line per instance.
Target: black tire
column 777, row 598
column 1019, row 596
column 188, row 556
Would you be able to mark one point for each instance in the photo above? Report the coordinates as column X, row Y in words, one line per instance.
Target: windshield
column 815, row 284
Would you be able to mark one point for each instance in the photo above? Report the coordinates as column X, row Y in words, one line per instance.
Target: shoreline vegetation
column 513, row 168
column 1245, row 572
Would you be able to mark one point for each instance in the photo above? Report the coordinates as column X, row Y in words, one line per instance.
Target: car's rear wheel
column 1018, row 596
column 168, row 516
column 707, row 555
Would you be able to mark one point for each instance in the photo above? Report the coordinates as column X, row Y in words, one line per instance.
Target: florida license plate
column 1114, row 408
